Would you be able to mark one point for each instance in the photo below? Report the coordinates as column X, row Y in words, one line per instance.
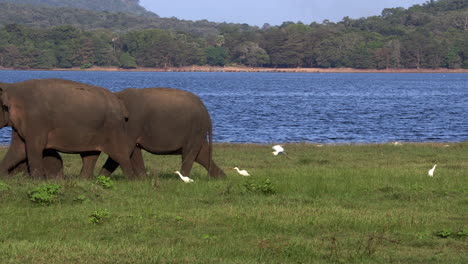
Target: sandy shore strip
column 253, row 69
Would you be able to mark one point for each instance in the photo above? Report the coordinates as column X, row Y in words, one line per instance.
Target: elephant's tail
column 210, row 145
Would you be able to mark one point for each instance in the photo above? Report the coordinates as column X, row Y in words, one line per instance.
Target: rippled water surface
column 307, row 107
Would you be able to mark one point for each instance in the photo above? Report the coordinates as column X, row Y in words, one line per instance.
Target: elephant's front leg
column 34, row 149
column 15, row 154
column 89, row 162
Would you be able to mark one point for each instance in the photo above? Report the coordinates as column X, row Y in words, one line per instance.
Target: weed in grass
column 155, row 183
column 81, row 198
column 105, row 182
column 262, row 187
column 44, row 194
column 462, row 234
column 446, row 233
column 228, row 189
column 99, row 216
column 4, row 186
column 209, row 237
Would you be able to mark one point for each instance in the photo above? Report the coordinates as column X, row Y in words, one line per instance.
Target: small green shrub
column 99, row 216
column 444, row 233
column 263, row 187
column 81, row 198
column 462, row 234
column 209, row 237
column 44, row 194
column 105, row 182
column 4, row 186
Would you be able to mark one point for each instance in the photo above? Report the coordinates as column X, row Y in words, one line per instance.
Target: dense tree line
column 48, row 16
column 431, row 35
column 126, row 6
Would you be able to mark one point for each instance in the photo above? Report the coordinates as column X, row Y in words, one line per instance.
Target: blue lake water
column 307, row 107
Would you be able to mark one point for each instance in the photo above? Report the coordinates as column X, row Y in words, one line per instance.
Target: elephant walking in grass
column 168, row 121
column 65, row 116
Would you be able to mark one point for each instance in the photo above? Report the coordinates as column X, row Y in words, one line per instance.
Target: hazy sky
column 274, row 12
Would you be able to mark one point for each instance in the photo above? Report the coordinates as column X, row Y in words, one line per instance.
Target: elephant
column 167, row 121
column 65, row 116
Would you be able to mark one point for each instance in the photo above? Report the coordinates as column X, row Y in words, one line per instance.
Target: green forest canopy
column 127, row 6
column 431, row 35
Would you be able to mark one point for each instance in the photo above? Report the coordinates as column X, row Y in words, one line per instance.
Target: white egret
column 242, row 172
column 184, row 178
column 431, row 171
column 278, row 149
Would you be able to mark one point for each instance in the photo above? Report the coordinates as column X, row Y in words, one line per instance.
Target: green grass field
column 329, row 204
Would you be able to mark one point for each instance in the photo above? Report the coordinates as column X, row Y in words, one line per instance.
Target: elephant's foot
column 217, row 174
column 105, row 172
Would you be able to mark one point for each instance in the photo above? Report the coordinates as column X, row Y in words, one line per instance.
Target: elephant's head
column 4, row 111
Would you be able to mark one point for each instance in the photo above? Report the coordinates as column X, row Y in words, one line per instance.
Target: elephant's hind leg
column 109, row 167
column 189, row 154
column 119, row 150
column 137, row 163
column 203, row 158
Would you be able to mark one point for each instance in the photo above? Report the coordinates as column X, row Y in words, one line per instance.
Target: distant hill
column 116, row 15
column 125, row 6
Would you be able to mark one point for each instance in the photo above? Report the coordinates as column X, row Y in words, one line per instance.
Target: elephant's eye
column 5, row 108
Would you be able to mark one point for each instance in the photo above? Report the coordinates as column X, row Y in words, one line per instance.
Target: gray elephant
column 168, row 121
column 65, row 116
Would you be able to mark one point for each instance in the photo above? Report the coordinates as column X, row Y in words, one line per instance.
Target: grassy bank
column 323, row 204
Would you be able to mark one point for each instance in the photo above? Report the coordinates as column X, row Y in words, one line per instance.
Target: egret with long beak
column 242, row 172
column 431, row 171
column 184, row 178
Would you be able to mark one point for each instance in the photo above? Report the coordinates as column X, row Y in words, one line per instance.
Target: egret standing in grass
column 242, row 172
column 278, row 149
column 431, row 171
column 184, row 178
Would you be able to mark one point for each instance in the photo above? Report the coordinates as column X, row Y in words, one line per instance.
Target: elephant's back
column 169, row 99
column 59, row 97
column 61, row 87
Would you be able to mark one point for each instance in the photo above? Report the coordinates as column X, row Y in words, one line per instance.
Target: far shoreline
column 249, row 69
